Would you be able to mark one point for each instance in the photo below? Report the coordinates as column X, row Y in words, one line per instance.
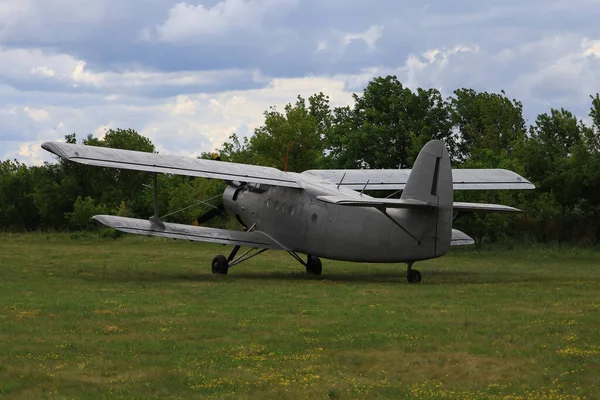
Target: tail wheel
column 413, row 276
column 314, row 266
column 220, row 265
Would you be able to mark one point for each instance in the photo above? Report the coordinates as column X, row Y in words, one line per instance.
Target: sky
column 189, row 74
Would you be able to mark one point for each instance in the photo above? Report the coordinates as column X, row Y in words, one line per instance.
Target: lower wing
column 254, row 239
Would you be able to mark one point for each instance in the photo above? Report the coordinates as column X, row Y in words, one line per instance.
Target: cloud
column 36, row 114
column 591, row 48
column 185, row 125
column 370, row 36
column 188, row 74
column 31, row 69
column 198, row 22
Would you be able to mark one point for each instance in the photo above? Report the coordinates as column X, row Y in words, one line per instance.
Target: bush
column 83, row 211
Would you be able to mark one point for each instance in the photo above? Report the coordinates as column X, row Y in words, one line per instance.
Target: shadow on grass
column 429, row 277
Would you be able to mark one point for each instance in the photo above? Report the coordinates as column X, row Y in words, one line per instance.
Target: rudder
column 430, row 181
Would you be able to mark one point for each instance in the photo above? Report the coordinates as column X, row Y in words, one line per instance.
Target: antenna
column 341, row 180
column 363, row 189
column 287, row 155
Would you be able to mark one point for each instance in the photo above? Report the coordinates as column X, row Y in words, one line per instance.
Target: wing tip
column 52, row 147
column 103, row 219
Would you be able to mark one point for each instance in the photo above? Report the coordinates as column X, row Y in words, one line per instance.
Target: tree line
column 385, row 127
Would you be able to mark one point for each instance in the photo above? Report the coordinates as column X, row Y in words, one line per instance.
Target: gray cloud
column 175, row 66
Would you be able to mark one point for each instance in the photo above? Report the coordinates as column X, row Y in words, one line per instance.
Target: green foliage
column 188, row 193
column 17, row 201
column 487, row 124
column 385, row 127
column 83, row 211
column 301, row 128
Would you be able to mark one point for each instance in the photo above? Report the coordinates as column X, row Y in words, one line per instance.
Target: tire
column 220, row 265
column 413, row 276
column 314, row 266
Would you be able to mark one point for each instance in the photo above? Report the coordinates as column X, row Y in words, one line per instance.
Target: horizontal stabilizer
column 459, row 238
column 395, row 179
column 169, row 164
column 189, row 232
column 366, row 201
column 458, row 206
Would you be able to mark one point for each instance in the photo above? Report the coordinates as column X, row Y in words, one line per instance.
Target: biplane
column 319, row 213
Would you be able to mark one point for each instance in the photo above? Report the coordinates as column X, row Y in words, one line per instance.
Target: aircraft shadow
column 429, row 277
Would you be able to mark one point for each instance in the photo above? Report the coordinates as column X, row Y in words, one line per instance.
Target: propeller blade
column 207, row 216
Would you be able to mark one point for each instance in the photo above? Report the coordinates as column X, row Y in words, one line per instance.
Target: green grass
column 143, row 318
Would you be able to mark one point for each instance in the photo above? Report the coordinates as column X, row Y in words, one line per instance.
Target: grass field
column 144, row 318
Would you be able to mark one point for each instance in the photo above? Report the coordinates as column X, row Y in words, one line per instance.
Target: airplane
column 319, row 213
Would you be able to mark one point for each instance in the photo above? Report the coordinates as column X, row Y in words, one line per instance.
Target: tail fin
column 430, row 181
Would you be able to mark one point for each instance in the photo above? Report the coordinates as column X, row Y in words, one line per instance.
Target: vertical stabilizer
column 430, row 181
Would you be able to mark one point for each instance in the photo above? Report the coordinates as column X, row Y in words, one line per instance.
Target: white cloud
column 321, row 46
column 188, row 21
column 190, row 73
column 100, row 131
column 36, row 114
column 183, row 105
column 369, row 36
column 184, row 125
column 66, row 72
column 32, row 152
column 43, row 71
column 592, row 47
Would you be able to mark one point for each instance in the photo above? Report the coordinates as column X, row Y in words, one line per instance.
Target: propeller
column 212, row 213
column 216, row 211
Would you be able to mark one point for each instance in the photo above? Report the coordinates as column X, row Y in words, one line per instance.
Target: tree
column 485, row 124
column 302, row 126
column 387, row 126
column 17, row 206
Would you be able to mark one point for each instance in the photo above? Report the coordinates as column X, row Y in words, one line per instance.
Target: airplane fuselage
column 302, row 223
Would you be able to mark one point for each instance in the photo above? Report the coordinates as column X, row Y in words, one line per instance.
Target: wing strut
column 155, row 219
column 384, row 211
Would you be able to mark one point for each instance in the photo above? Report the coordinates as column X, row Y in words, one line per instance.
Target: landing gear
column 220, row 265
column 412, row 275
column 313, row 265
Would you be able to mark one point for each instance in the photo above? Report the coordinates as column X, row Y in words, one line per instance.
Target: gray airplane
column 320, row 213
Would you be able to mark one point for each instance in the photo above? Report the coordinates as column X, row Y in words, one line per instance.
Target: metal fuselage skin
column 302, row 223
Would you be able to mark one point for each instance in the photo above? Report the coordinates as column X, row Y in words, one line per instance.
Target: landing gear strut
column 221, row 264
column 313, row 264
column 412, row 275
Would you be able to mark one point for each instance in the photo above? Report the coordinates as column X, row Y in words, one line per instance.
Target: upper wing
column 189, row 232
column 395, row 179
column 152, row 162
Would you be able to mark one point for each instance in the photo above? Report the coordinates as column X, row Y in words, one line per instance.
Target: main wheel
column 413, row 276
column 220, row 265
column 314, row 266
